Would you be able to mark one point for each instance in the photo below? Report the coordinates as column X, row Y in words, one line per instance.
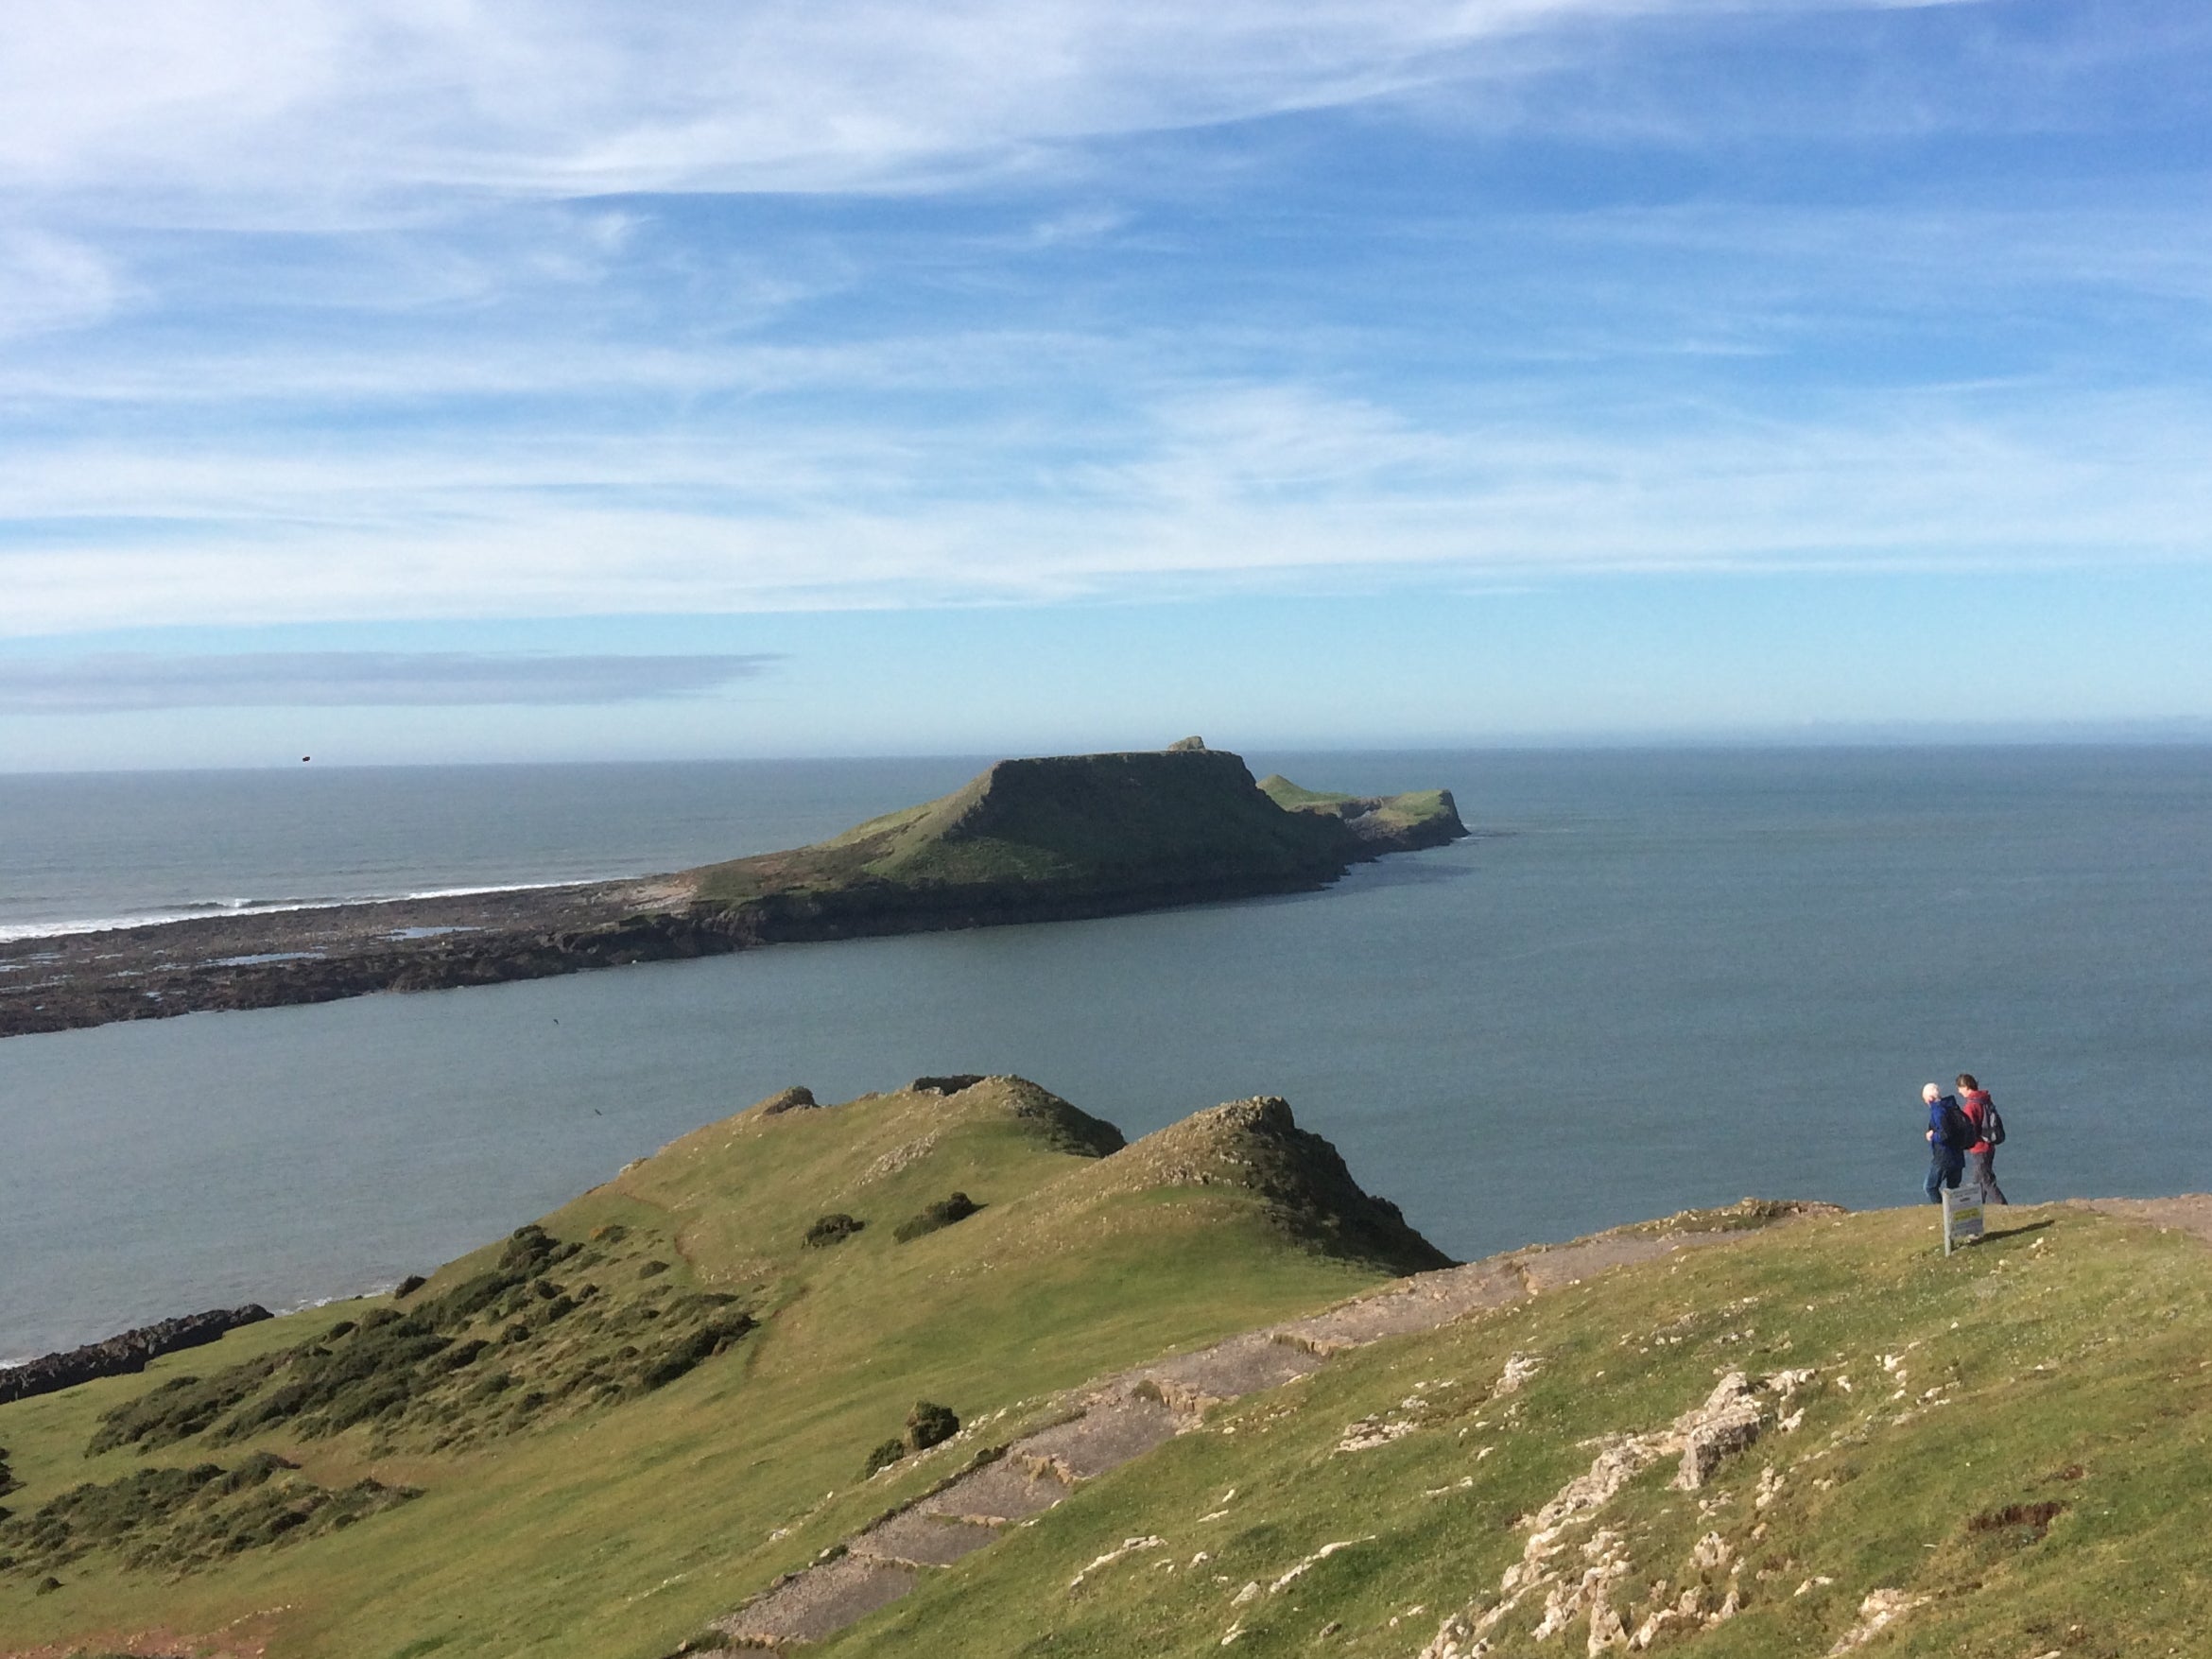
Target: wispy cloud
column 258, row 107
column 116, row 682
column 347, row 350
column 1253, row 486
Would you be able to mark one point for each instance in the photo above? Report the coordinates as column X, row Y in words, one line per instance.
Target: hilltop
column 954, row 1371
column 595, row 1435
column 1078, row 835
column 1055, row 838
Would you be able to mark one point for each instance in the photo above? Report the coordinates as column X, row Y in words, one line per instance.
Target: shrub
column 944, row 1213
column 408, row 1286
column 882, row 1457
column 832, row 1229
column 691, row 1350
column 930, row 1423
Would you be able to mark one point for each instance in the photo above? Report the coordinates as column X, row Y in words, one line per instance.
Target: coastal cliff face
column 1056, row 838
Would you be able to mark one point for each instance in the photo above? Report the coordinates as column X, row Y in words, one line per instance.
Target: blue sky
column 386, row 378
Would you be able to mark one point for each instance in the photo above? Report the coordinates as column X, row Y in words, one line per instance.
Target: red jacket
column 1974, row 1102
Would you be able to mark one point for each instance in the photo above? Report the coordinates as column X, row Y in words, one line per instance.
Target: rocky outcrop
column 123, row 1355
column 1058, row 838
column 1308, row 1191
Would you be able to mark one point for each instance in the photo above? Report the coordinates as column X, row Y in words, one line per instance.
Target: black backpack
column 1958, row 1128
column 1992, row 1124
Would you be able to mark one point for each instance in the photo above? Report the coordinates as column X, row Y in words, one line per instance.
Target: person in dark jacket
column 1981, row 1155
column 1947, row 1150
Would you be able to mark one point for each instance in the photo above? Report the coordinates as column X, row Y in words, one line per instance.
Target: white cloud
column 50, row 282
column 286, row 111
column 117, row 681
column 1253, row 487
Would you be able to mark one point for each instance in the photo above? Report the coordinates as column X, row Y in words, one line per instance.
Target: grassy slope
column 1191, row 814
column 2072, row 1356
column 621, row 1531
column 1399, row 815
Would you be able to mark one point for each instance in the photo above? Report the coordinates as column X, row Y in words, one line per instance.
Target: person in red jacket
column 1980, row 1156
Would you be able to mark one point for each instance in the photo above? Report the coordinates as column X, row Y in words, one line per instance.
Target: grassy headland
column 1030, row 840
column 600, row 1434
column 603, row 1435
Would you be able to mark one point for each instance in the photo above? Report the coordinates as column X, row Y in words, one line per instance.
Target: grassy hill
column 1099, row 830
column 1997, row 1455
column 1397, row 823
column 592, row 1437
column 1744, row 1433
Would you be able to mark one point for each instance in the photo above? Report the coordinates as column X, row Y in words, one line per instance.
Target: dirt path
column 2191, row 1212
column 1121, row 1417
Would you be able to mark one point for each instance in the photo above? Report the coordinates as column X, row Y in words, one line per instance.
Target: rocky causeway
column 1060, row 839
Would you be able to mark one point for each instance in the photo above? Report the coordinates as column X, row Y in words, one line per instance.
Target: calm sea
column 1657, row 979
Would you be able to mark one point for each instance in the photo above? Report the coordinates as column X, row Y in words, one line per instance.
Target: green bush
column 882, row 1457
column 944, row 1213
column 702, row 1345
column 930, row 1423
column 832, row 1229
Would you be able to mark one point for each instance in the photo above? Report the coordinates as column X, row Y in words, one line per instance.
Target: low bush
column 691, row 1350
column 882, row 1457
column 958, row 1207
column 832, row 1229
column 930, row 1423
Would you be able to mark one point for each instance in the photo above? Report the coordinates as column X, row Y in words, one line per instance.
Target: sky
column 457, row 380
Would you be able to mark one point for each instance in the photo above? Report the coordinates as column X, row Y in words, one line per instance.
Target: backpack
column 1992, row 1124
column 1959, row 1131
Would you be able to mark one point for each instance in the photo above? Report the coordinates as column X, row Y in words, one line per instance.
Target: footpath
column 1112, row 1420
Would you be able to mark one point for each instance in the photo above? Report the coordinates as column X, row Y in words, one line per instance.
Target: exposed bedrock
column 120, row 1354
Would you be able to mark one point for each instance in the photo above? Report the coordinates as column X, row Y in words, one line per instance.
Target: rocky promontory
column 1055, row 838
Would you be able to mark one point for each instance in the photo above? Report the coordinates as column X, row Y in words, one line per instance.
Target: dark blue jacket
column 1942, row 1113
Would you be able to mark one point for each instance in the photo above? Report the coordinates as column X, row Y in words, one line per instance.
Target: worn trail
column 1121, row 1417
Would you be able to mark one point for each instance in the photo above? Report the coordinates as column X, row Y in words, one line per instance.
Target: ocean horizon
column 1653, row 979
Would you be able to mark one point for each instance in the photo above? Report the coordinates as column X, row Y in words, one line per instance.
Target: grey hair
column 1929, row 1091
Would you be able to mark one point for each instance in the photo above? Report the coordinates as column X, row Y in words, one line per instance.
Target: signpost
column 1963, row 1206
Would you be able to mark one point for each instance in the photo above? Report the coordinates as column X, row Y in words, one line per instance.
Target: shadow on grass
column 2016, row 1232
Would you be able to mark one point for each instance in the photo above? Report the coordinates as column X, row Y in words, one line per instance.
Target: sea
column 1652, row 979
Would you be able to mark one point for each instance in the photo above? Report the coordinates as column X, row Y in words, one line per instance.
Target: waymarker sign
column 1962, row 1207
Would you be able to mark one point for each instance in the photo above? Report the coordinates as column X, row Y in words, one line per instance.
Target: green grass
column 1105, row 821
column 1417, row 818
column 2071, row 1358
column 2067, row 1357
column 620, row 1527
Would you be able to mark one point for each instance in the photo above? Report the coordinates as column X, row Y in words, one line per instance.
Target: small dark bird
column 305, row 758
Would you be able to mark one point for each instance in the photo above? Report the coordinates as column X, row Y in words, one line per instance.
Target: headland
column 1054, row 839
column 954, row 1369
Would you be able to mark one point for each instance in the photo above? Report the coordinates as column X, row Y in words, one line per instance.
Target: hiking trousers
column 1985, row 1176
column 1944, row 1169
